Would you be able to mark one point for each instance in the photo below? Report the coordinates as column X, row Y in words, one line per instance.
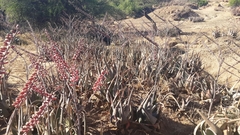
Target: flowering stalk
column 35, row 84
column 36, row 116
column 61, row 63
column 78, row 50
column 39, row 71
column 97, row 85
column 4, row 50
column 66, row 72
column 74, row 75
column 23, row 94
column 38, row 88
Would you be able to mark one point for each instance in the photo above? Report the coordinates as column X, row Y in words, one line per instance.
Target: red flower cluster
column 78, row 50
column 23, row 94
column 99, row 81
column 66, row 72
column 61, row 63
column 34, row 85
column 74, row 75
column 4, row 50
column 37, row 86
column 36, row 116
column 31, row 85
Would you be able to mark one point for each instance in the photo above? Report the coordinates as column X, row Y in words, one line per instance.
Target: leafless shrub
column 100, row 33
column 216, row 33
column 232, row 33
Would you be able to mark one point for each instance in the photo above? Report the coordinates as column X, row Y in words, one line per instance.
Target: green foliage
column 36, row 11
column 39, row 12
column 98, row 8
column 132, row 7
column 234, row 2
column 126, row 6
column 202, row 3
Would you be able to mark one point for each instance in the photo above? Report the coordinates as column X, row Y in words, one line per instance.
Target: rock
column 192, row 5
column 219, row 7
column 185, row 13
column 236, row 11
column 169, row 31
column 196, row 19
column 172, row 43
